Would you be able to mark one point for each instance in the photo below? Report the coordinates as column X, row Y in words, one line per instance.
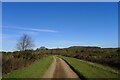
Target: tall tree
column 25, row 42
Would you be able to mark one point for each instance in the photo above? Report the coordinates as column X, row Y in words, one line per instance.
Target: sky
column 60, row 0
column 59, row 25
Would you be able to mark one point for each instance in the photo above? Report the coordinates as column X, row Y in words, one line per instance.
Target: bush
column 15, row 60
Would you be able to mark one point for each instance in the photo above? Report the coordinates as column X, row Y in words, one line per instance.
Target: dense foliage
column 105, row 56
column 87, row 70
column 18, row 59
column 34, row 71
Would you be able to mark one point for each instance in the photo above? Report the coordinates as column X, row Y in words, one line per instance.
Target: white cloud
column 9, row 41
column 72, row 42
column 63, row 43
column 6, row 36
column 33, row 29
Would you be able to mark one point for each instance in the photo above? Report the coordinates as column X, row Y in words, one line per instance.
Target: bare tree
column 25, row 42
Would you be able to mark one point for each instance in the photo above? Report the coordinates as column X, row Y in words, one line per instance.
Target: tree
column 43, row 48
column 25, row 42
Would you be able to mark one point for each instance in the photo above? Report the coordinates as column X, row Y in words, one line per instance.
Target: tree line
column 26, row 55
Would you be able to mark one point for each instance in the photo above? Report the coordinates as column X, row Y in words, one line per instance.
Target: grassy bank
column 35, row 70
column 90, row 70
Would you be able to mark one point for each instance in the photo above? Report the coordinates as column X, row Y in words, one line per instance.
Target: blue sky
column 61, row 24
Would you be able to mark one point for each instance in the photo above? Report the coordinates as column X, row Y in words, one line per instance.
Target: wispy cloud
column 9, row 41
column 33, row 29
column 72, row 42
column 63, row 43
column 6, row 36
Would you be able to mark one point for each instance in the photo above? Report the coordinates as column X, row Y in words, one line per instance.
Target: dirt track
column 59, row 69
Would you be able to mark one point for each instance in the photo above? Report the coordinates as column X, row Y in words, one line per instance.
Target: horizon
column 66, row 47
column 60, row 25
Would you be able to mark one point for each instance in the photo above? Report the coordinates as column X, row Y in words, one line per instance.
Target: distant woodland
column 18, row 59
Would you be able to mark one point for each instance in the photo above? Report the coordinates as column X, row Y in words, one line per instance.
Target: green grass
column 91, row 70
column 35, row 70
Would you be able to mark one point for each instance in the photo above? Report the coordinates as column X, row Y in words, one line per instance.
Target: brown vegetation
column 105, row 56
column 18, row 59
column 15, row 60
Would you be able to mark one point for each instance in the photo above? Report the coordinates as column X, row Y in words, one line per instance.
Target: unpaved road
column 59, row 69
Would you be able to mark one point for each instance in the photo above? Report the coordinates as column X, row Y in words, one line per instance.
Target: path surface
column 59, row 69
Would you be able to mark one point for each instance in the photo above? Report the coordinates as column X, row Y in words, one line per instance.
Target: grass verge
column 35, row 70
column 90, row 70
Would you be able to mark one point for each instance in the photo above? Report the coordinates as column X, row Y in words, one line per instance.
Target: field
column 84, row 69
column 104, row 56
column 35, row 70
column 90, row 70
column 86, row 62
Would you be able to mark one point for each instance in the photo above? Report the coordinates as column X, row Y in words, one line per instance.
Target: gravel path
column 59, row 69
